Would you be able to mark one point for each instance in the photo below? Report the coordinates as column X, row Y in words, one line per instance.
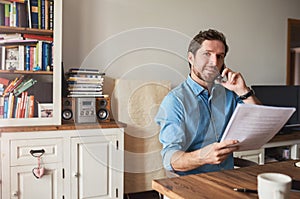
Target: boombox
column 78, row 110
column 85, row 110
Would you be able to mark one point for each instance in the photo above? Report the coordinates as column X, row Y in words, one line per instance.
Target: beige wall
column 256, row 31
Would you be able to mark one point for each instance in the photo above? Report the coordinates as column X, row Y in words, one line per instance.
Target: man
column 194, row 115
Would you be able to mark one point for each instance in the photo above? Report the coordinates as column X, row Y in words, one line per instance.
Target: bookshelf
column 46, row 73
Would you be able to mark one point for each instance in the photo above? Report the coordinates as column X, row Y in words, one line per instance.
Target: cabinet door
column 95, row 173
column 25, row 185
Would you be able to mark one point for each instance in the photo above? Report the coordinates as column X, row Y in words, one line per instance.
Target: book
column 38, row 37
column 2, row 48
column 27, row 58
column 1, row 106
column 34, row 13
column 4, row 81
column 29, row 83
column 10, row 105
column 5, row 107
column 14, row 57
column 31, row 106
column 21, row 58
column 46, row 14
column 6, row 15
column 29, row 14
column 42, row 14
column 22, row 15
column 84, row 71
column 11, row 57
column 2, row 14
column 16, row 83
column 51, row 14
column 10, row 85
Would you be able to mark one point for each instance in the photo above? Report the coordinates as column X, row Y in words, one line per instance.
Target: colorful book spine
column 7, row 15
column 31, row 106
column 51, row 14
column 34, row 13
column 2, row 14
column 27, row 58
column 39, row 14
column 5, row 107
column 1, row 106
column 42, row 14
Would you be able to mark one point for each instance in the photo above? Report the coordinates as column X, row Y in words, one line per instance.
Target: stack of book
column 15, row 102
column 85, row 82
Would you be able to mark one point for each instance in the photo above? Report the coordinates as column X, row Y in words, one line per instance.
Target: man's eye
column 206, row 54
column 220, row 56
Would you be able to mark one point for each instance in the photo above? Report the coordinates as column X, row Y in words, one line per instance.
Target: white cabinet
column 20, row 153
column 260, row 156
column 85, row 163
column 96, row 167
column 257, row 156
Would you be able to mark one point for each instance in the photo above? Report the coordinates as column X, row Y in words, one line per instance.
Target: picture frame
column 45, row 110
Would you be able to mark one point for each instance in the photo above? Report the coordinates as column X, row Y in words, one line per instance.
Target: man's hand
column 235, row 81
column 217, row 152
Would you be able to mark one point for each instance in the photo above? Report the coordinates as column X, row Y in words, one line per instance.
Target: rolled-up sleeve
column 170, row 118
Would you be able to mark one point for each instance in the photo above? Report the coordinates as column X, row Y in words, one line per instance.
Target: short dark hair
column 207, row 35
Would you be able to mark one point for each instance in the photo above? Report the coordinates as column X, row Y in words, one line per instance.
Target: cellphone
column 296, row 185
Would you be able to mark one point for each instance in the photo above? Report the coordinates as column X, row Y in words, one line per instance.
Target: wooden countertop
column 111, row 124
column 221, row 184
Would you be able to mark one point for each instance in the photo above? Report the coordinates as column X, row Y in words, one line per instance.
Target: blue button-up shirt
column 190, row 118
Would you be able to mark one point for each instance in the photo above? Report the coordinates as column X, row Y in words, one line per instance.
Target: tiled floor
column 142, row 195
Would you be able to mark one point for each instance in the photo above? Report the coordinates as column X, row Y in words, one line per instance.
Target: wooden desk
column 221, row 184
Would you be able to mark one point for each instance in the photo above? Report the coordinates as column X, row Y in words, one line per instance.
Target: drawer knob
column 15, row 194
column 76, row 174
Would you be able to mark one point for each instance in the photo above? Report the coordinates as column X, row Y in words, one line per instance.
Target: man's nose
column 213, row 60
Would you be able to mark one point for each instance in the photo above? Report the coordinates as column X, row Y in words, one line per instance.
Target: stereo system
column 85, row 110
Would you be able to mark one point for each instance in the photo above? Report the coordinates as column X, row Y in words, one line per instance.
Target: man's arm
column 212, row 154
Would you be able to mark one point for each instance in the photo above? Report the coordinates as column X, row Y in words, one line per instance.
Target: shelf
column 8, row 29
column 26, row 72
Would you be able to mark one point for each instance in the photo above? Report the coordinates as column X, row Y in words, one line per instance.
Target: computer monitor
column 283, row 96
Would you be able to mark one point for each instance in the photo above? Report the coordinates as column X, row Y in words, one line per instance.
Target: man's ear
column 191, row 58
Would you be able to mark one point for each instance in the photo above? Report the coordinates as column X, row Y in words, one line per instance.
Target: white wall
column 147, row 39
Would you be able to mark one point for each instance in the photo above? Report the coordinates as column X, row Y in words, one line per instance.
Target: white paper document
column 254, row 125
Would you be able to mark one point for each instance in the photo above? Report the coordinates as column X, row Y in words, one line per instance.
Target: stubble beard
column 205, row 78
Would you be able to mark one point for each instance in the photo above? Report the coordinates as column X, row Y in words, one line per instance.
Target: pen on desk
column 244, row 190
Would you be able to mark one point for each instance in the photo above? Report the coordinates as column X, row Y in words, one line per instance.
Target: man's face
column 208, row 61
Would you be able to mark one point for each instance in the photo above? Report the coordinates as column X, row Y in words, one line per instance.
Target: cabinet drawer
column 20, row 151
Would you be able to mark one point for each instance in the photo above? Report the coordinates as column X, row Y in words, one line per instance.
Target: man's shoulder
column 180, row 90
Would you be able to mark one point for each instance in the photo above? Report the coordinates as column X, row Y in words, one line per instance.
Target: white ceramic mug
column 273, row 185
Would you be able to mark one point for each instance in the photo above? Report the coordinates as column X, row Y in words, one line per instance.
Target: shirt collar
column 195, row 87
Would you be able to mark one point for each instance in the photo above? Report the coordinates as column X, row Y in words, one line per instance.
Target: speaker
column 68, row 110
column 103, row 109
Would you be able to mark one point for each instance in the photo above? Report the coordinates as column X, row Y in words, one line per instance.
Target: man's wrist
column 246, row 95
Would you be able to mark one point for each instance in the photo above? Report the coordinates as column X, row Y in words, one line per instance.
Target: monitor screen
column 283, row 96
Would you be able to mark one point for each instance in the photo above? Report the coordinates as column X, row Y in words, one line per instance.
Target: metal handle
column 37, row 153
